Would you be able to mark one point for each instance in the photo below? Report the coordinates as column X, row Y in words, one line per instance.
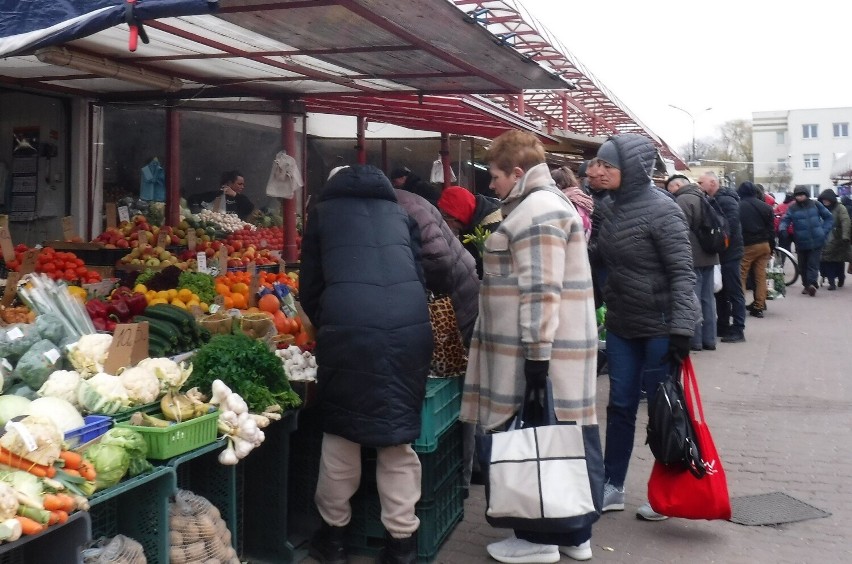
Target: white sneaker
column 646, row 513
column 518, row 551
column 613, row 498
column 582, row 551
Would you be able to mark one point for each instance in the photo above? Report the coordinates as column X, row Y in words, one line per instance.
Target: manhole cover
column 772, row 509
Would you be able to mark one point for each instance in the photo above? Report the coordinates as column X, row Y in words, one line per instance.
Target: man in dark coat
column 362, row 287
column 405, row 179
column 758, row 227
column 811, row 225
column 730, row 301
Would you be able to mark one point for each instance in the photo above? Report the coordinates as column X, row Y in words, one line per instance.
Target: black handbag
column 543, row 475
column 670, row 433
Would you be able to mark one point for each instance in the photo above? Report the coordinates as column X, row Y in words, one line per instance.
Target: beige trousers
column 397, row 476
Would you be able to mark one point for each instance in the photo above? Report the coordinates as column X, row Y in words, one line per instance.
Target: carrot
column 19, row 463
column 87, row 471
column 72, row 459
column 59, row 501
column 70, row 472
column 57, row 516
column 29, row 526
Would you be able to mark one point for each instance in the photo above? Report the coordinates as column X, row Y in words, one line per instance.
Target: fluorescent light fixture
column 107, row 68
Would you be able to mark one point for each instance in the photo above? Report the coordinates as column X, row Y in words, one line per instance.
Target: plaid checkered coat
column 535, row 303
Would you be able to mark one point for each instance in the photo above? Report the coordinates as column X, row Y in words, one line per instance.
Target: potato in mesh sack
column 117, row 550
column 197, row 532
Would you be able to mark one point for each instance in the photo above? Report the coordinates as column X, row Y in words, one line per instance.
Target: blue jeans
column 634, row 365
column 705, row 330
column 730, row 302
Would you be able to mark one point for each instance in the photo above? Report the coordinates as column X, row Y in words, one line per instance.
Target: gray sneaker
column 613, row 499
column 645, row 513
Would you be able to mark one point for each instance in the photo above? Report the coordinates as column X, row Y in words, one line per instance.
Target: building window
column 841, row 129
column 809, row 131
column 813, row 190
column 780, row 137
column 812, row 161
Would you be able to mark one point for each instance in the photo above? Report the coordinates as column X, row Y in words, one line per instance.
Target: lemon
column 141, row 288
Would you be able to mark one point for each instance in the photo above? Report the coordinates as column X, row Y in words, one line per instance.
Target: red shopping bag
column 676, row 492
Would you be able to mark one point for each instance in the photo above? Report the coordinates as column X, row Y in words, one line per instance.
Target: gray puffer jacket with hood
column 644, row 242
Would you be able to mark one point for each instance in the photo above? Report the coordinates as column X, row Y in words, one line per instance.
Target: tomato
column 48, row 267
column 69, row 274
column 81, row 270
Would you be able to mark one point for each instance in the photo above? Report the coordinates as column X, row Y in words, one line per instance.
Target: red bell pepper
column 135, row 301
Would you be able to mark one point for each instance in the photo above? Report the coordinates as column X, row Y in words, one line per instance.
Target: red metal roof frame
column 597, row 111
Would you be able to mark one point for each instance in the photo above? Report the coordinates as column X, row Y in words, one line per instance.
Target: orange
column 223, row 289
column 270, row 303
column 282, row 324
column 228, row 302
column 240, row 288
column 239, row 301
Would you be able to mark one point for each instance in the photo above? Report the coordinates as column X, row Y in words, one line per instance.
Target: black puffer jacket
column 756, row 218
column 729, row 202
column 644, row 242
column 449, row 269
column 361, row 286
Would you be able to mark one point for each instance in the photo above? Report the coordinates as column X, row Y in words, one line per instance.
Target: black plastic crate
column 61, row 543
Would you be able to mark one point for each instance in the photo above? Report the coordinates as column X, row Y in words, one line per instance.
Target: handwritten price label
column 129, row 346
column 109, row 211
column 201, row 258
column 163, row 240
column 6, row 245
column 123, row 213
column 69, row 231
column 191, row 240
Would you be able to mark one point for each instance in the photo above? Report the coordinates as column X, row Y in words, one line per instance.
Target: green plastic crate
column 137, row 508
column 436, row 466
column 199, row 471
column 171, row 441
column 438, row 518
column 440, row 410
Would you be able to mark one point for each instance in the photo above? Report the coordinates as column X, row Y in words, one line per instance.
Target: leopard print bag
column 449, row 357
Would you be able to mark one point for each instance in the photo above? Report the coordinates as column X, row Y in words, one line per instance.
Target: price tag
column 14, row 334
column 4, row 220
column 163, row 239
column 29, row 261
column 52, row 355
column 129, row 346
column 11, row 290
column 69, row 230
column 201, row 258
column 222, row 256
column 6, row 244
column 123, row 214
column 191, row 240
column 109, row 210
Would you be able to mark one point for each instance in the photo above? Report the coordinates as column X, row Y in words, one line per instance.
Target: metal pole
column 288, row 205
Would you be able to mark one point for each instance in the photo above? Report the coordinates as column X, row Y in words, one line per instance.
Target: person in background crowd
column 688, row 196
column 811, row 225
column 403, row 178
column 649, row 293
column 536, row 319
column 847, row 203
column 363, row 290
column 837, row 245
column 758, row 243
column 232, row 186
column 730, row 301
column 567, row 182
column 464, row 212
column 785, row 238
column 601, row 201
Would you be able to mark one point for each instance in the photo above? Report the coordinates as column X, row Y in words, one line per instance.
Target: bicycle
column 786, row 260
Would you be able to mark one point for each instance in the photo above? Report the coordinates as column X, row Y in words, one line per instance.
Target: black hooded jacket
column 486, row 215
column 644, row 242
column 756, row 217
column 362, row 287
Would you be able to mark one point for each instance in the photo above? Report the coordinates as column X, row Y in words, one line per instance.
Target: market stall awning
column 842, row 167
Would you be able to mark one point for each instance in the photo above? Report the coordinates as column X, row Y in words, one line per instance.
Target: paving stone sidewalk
column 780, row 410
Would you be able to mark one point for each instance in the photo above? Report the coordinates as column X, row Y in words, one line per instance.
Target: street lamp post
column 692, row 117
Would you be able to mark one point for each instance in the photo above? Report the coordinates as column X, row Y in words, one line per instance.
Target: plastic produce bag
column 17, row 339
column 38, row 363
column 117, row 550
column 197, row 532
column 50, row 327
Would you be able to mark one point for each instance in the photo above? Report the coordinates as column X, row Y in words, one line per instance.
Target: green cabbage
column 50, row 327
column 17, row 339
column 111, row 464
column 12, row 406
column 38, row 363
column 134, row 444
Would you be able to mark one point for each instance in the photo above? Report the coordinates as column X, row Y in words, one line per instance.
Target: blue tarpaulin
column 27, row 25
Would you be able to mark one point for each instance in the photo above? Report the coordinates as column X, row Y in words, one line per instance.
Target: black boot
column 328, row 545
column 399, row 551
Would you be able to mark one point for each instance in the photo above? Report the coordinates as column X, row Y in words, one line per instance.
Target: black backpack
column 670, row 434
column 713, row 231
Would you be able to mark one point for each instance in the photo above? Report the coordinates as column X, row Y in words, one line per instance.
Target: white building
column 799, row 147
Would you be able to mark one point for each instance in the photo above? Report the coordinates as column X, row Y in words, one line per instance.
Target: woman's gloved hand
column 678, row 348
column 535, row 372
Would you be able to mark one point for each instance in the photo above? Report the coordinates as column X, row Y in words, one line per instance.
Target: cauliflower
column 170, row 373
column 8, row 502
column 142, row 385
column 62, row 384
column 103, row 393
column 89, row 353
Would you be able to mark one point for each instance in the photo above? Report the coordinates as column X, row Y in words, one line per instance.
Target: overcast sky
column 736, row 57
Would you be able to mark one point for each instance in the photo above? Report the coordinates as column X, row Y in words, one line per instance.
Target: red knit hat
column 458, row 202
